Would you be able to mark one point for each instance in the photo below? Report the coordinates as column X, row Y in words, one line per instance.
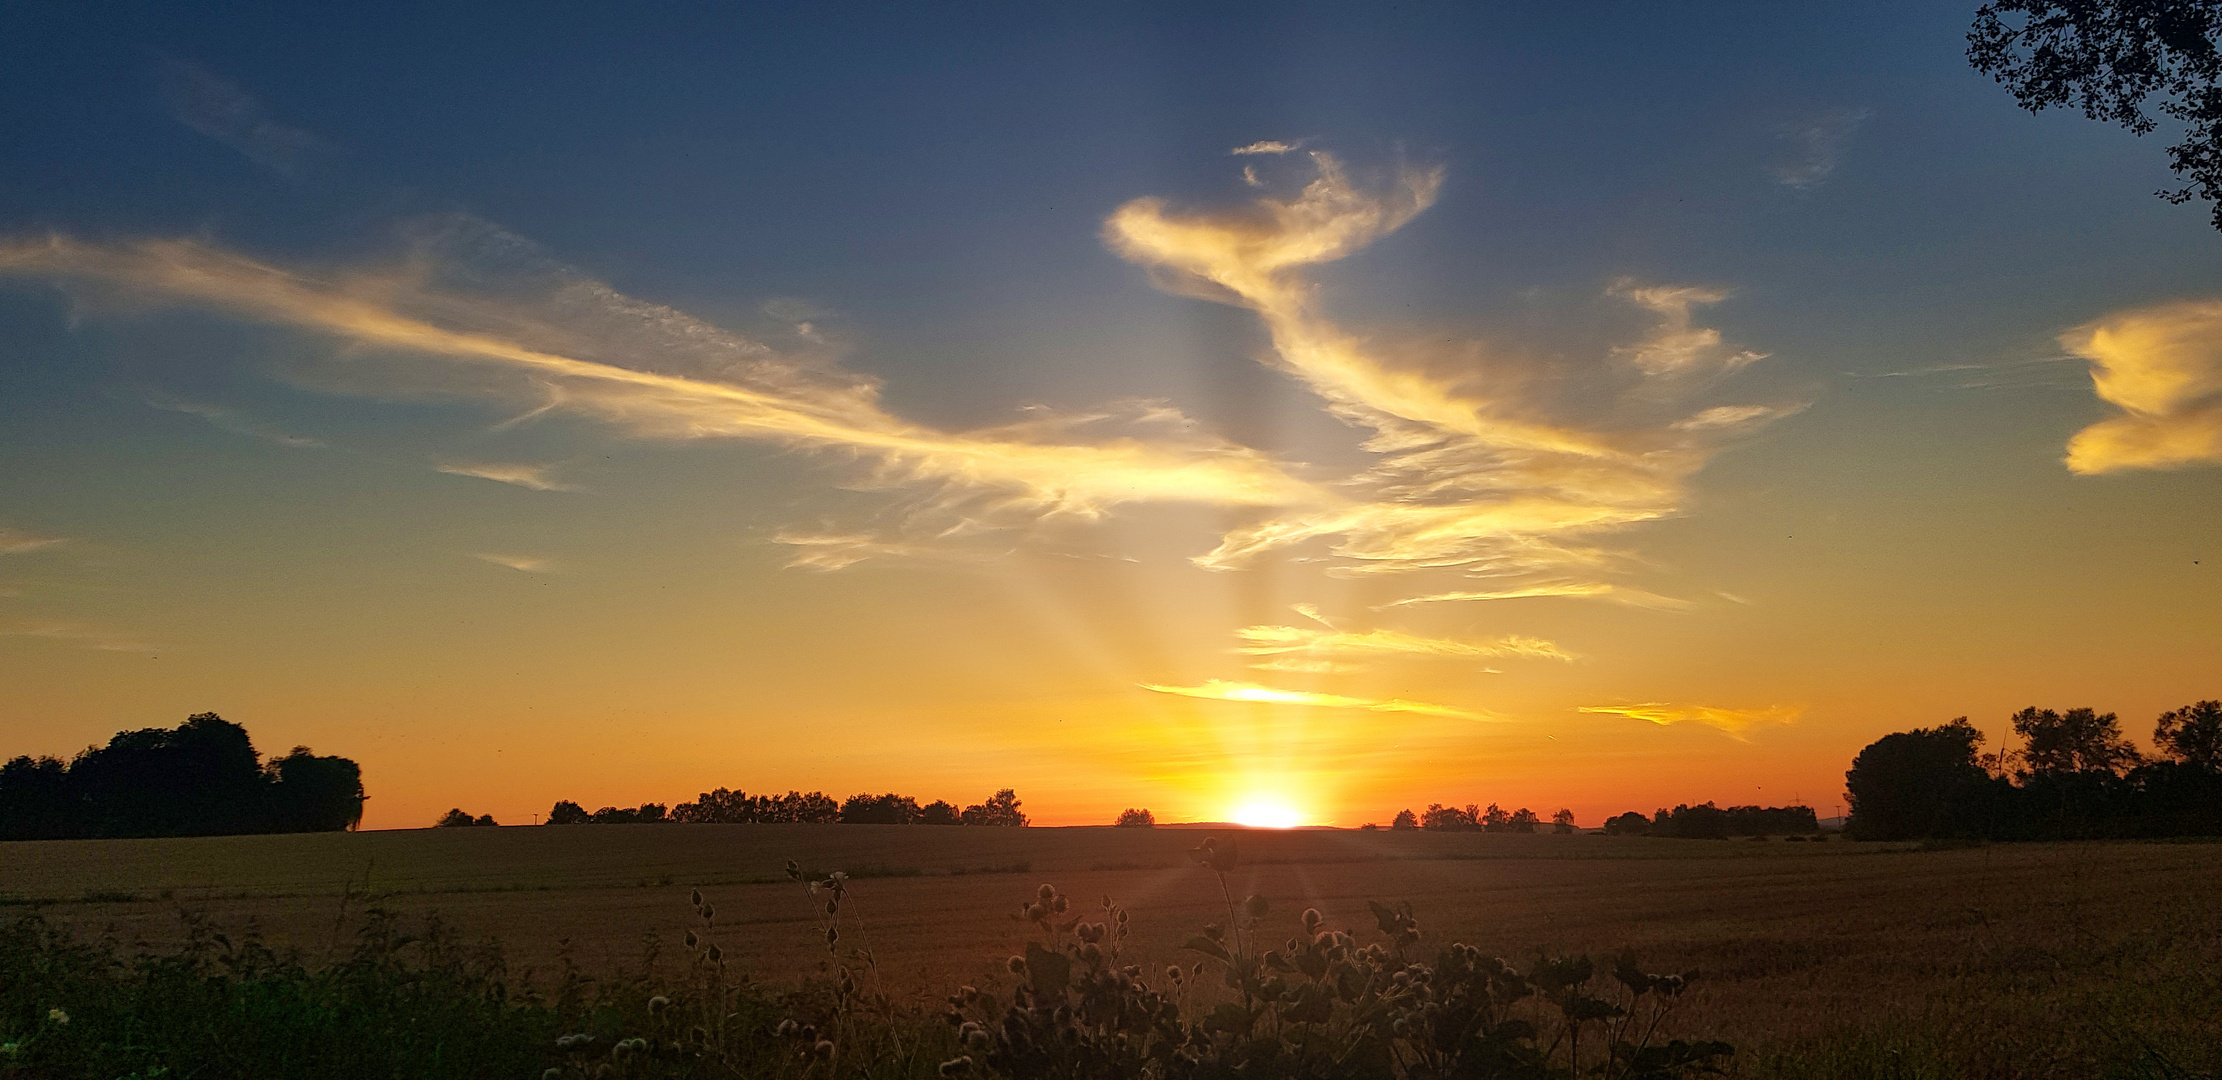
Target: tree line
column 2074, row 776
column 201, row 778
column 1474, row 817
column 727, row 807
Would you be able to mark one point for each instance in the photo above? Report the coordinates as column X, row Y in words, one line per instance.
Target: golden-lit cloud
column 1678, row 346
column 1470, row 474
column 17, row 542
column 1584, row 589
column 2162, row 366
column 525, row 476
column 1736, row 722
column 839, row 551
column 1223, row 690
column 552, row 343
column 1281, row 640
column 1266, row 146
column 1467, row 473
column 528, row 564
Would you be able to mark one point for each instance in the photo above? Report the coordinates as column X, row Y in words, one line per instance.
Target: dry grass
column 1999, row 960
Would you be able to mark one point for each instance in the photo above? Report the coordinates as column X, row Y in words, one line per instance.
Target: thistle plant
column 1322, row 1005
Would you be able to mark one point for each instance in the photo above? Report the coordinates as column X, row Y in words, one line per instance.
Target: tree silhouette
column 940, row 812
column 2077, row 741
column 1405, row 820
column 2107, row 57
column 566, row 812
column 202, row 778
column 1001, row 808
column 1910, row 783
column 1563, row 821
column 888, row 809
column 1132, row 818
column 1632, row 823
column 2192, row 735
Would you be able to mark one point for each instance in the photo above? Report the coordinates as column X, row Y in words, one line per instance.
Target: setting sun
column 1268, row 814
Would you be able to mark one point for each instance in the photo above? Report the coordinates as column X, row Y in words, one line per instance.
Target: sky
column 1276, row 411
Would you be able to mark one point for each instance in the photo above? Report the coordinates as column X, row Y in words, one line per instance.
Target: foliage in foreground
column 424, row 1005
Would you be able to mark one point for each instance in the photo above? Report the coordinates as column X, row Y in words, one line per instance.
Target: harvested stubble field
column 2020, row 959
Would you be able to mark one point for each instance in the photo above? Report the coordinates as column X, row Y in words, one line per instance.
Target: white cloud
column 1816, row 146
column 525, row 476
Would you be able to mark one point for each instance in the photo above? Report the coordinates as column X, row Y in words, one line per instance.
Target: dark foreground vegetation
column 202, row 778
column 1368, row 1001
column 2074, row 777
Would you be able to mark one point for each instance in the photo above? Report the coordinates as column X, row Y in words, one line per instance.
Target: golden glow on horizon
column 1268, row 814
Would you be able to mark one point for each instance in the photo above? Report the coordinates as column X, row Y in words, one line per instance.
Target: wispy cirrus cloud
column 839, row 551
column 18, row 542
column 1266, row 146
column 1468, row 473
column 1737, row 723
column 218, row 108
column 81, row 635
column 1580, row 589
column 1327, row 643
column 550, row 341
column 535, row 477
column 1816, row 146
column 230, row 420
column 1678, row 346
column 1223, row 690
column 2161, row 366
column 524, row 564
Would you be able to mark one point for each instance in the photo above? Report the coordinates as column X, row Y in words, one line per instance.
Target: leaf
column 1314, row 1005
column 1049, row 971
column 1384, row 917
column 1229, row 1017
column 1206, row 946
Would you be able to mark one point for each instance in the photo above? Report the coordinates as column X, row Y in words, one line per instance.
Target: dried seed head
column 1036, row 912
column 824, row 1048
column 1312, row 919
column 551, row 1074
column 708, row 911
column 695, row 898
column 717, row 955
column 1173, row 972
column 1058, row 904
column 1017, row 964
column 1047, row 892
column 658, row 1004
column 692, row 940
column 978, row 1040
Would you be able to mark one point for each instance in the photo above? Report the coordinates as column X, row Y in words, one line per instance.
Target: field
column 1999, row 960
